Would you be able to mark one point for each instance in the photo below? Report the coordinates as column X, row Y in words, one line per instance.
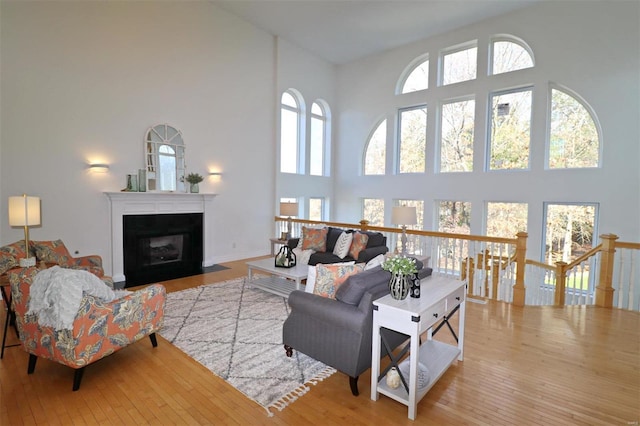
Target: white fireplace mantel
column 131, row 203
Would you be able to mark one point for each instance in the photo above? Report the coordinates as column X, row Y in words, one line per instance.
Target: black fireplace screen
column 162, row 247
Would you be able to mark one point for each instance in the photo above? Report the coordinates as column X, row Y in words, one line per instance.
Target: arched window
column 375, row 157
column 509, row 54
column 415, row 77
column 459, row 63
column 573, row 134
column 319, row 139
column 291, row 109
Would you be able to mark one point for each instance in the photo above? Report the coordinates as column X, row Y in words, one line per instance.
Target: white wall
column 83, row 81
column 589, row 47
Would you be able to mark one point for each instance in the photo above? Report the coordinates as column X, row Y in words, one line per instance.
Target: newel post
column 561, row 283
column 519, row 291
column 604, row 289
column 364, row 224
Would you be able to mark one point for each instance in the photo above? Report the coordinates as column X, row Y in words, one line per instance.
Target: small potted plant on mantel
column 194, row 179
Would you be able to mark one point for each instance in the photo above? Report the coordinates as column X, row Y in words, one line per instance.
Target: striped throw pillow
column 343, row 245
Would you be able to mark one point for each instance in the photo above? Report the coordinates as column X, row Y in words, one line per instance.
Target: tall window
column 418, row 78
column 318, row 136
column 316, row 209
column 569, row 231
column 459, row 64
column 373, row 211
column 509, row 55
column 454, row 217
column 375, row 156
column 456, row 141
column 510, row 129
column 573, row 136
column 506, row 219
column 290, row 115
column 413, row 140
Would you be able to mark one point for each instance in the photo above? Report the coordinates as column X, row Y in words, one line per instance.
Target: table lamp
column 289, row 209
column 25, row 211
column 404, row 215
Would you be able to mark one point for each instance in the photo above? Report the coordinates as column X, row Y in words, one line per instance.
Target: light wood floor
column 524, row 366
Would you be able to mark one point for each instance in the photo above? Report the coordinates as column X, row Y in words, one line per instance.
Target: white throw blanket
column 56, row 294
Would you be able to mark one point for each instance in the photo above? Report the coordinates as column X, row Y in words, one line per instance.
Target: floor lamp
column 288, row 209
column 404, row 215
column 25, row 211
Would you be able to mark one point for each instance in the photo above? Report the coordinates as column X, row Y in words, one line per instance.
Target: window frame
column 512, row 39
column 299, row 111
column 452, row 50
column 398, row 144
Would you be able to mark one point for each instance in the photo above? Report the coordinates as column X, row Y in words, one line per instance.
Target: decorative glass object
column 285, row 258
column 194, row 188
column 399, row 286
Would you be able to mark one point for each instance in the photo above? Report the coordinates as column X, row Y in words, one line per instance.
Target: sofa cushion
column 342, row 246
column 51, row 252
column 333, row 234
column 314, row 239
column 376, row 239
column 354, row 288
column 330, row 277
column 358, row 244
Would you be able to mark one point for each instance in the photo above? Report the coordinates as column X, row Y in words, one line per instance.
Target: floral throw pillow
column 51, row 252
column 7, row 261
column 330, row 277
column 314, row 239
column 358, row 244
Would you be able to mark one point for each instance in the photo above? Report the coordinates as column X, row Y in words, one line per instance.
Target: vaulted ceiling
column 341, row 31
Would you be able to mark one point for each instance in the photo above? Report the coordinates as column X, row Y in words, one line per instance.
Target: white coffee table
column 281, row 281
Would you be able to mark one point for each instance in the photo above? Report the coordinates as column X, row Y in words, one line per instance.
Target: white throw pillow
column 311, row 276
column 376, row 261
column 341, row 249
column 302, row 256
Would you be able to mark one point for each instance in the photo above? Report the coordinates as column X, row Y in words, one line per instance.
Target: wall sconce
column 25, row 211
column 98, row 168
column 215, row 174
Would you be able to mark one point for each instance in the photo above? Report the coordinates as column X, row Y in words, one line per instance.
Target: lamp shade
column 288, row 209
column 24, row 210
column 404, row 215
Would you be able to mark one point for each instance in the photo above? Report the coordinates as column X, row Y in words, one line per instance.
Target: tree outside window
column 413, row 140
column 454, row 217
column 573, row 136
column 373, row 211
column 510, row 130
column 506, row 219
column 569, row 231
column 459, row 66
column 456, row 142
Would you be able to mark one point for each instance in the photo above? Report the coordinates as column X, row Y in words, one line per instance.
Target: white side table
column 441, row 298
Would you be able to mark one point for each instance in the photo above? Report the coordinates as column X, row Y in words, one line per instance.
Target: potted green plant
column 194, row 179
column 400, row 267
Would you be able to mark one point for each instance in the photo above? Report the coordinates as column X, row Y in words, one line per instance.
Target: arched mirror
column 164, row 154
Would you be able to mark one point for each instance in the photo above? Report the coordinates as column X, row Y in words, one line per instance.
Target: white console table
column 440, row 298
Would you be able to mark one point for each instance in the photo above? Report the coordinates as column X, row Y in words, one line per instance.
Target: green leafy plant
column 194, row 178
column 400, row 265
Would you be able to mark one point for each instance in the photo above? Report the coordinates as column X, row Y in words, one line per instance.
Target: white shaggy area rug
column 236, row 332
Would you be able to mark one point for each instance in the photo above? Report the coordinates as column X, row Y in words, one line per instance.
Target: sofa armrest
column 371, row 252
column 326, row 310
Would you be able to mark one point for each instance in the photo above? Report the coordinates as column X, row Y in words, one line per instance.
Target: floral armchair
column 99, row 328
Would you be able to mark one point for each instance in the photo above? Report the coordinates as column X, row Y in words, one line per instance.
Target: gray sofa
column 338, row 331
column 376, row 244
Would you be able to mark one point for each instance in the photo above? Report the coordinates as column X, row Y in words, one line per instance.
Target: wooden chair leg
column 32, row 363
column 154, row 340
column 77, row 378
column 353, row 382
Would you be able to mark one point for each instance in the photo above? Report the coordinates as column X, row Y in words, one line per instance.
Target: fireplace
column 159, row 247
